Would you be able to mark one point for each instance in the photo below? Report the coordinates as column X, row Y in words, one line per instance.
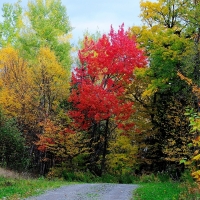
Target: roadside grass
column 169, row 190
column 17, row 188
column 158, row 191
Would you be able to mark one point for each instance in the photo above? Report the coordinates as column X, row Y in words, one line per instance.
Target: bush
column 68, row 175
column 147, row 178
column 128, row 178
column 12, row 145
column 163, row 177
column 108, row 178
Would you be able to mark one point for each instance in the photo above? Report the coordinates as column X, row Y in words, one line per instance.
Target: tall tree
column 98, row 87
column 168, row 42
column 16, row 84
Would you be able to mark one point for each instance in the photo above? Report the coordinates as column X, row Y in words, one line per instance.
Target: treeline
column 128, row 106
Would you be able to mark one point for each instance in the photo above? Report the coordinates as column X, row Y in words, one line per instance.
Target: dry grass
column 8, row 173
column 12, row 174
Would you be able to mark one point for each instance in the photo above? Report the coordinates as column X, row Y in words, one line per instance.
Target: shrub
column 147, row 178
column 163, row 177
column 13, row 152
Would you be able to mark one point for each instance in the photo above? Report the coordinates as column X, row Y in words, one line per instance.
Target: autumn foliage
column 100, row 83
column 118, row 111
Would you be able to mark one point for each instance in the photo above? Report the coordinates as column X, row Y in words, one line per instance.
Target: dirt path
column 90, row 192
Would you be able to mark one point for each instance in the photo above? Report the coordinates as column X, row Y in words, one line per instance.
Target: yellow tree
column 50, row 89
column 32, row 93
column 51, row 83
column 16, row 87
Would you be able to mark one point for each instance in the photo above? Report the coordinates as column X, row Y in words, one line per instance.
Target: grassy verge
column 17, row 188
column 164, row 191
column 158, row 191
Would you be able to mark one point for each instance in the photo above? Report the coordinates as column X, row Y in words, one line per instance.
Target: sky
column 92, row 16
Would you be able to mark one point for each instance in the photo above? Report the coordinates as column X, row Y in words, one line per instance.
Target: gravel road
column 95, row 191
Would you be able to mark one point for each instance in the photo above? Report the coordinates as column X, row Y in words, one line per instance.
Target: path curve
column 96, row 191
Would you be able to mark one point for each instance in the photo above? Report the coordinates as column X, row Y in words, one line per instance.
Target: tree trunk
column 105, row 146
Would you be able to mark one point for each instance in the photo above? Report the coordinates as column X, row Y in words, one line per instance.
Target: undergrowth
column 88, row 177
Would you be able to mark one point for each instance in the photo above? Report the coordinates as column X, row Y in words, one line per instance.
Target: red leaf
column 98, row 85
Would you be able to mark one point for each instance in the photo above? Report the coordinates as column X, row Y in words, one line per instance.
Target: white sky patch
column 95, row 16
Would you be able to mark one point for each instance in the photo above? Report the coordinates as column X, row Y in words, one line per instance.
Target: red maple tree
column 99, row 85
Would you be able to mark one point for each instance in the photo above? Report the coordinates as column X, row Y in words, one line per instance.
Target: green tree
column 46, row 24
column 168, row 42
column 11, row 25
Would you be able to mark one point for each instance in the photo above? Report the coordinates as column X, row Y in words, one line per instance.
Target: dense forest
column 129, row 106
